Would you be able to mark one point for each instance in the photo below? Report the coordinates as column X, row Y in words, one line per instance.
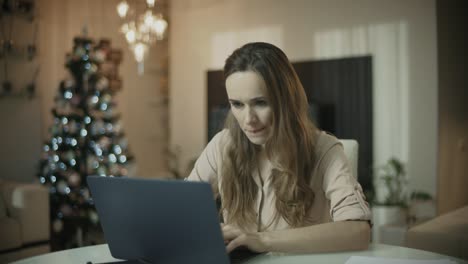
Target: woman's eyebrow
column 258, row 98
column 250, row 100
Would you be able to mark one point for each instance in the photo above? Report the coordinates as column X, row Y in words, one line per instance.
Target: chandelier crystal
column 141, row 31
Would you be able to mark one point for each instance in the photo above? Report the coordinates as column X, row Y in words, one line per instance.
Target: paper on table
column 373, row 260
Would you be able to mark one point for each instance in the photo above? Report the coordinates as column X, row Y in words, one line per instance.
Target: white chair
column 24, row 220
column 351, row 148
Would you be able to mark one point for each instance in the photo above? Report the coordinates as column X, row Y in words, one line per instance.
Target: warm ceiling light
column 141, row 31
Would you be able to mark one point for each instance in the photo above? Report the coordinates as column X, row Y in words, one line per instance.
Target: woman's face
column 249, row 104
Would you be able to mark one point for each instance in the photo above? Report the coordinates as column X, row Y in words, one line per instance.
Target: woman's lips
column 255, row 131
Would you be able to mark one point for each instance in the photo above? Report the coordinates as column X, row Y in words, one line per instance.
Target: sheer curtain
column 388, row 46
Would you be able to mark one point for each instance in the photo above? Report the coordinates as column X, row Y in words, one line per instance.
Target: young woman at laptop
column 285, row 186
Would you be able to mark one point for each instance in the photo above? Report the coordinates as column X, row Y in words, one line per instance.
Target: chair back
column 351, row 148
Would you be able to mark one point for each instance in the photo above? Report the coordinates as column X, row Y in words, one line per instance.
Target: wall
column 453, row 109
column 20, row 138
column 142, row 100
column 20, row 118
column 400, row 35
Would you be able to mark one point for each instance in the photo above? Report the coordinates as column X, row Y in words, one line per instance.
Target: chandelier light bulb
column 130, row 36
column 148, row 18
column 159, row 26
column 139, row 51
column 122, row 9
column 150, row 3
column 125, row 28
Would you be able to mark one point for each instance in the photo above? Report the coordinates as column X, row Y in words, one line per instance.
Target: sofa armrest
column 445, row 234
column 29, row 205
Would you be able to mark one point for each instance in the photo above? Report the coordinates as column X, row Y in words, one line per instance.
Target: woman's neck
column 263, row 164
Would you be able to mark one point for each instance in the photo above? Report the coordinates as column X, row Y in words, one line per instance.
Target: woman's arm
column 328, row 237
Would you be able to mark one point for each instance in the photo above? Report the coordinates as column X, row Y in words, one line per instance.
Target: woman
column 285, row 186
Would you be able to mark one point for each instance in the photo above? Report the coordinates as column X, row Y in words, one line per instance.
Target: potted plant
column 390, row 205
column 421, row 207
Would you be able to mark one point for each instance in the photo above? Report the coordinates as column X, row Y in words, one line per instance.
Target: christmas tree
column 86, row 138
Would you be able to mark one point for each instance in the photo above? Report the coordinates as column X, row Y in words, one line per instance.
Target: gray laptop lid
column 158, row 221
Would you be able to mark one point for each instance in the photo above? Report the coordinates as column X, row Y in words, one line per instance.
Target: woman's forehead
column 245, row 85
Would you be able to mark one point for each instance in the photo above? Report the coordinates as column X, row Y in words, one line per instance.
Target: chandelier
column 141, row 31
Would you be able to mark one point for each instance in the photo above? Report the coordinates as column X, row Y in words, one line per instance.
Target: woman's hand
column 235, row 237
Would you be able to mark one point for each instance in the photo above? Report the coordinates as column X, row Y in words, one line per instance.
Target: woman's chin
column 257, row 140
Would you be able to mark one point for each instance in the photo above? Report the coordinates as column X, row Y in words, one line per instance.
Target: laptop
column 160, row 221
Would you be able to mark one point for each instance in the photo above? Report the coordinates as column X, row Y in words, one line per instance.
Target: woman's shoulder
column 325, row 141
column 220, row 139
column 222, row 136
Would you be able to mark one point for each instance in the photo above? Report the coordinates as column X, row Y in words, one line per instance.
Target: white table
column 101, row 253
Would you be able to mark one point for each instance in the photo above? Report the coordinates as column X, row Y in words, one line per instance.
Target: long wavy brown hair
column 290, row 148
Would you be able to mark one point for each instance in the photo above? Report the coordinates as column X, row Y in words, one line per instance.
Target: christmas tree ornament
column 62, row 187
column 75, row 100
column 117, row 127
column 74, row 180
column 109, row 127
column 66, row 210
column 73, row 127
column 102, row 171
column 106, row 98
column 100, row 56
column 109, row 114
column 123, row 143
column 93, row 217
column 66, row 108
column 102, row 84
column 85, row 193
column 104, row 142
column 123, row 170
column 93, row 100
column 57, row 225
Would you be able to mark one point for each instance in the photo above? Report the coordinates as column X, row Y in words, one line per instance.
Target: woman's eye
column 261, row 103
column 236, row 104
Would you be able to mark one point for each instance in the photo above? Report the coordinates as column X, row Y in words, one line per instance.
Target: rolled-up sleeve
column 347, row 201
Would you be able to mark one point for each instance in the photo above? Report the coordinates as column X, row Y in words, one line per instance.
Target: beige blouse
column 338, row 195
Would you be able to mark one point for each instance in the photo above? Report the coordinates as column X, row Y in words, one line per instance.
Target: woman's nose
column 250, row 116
